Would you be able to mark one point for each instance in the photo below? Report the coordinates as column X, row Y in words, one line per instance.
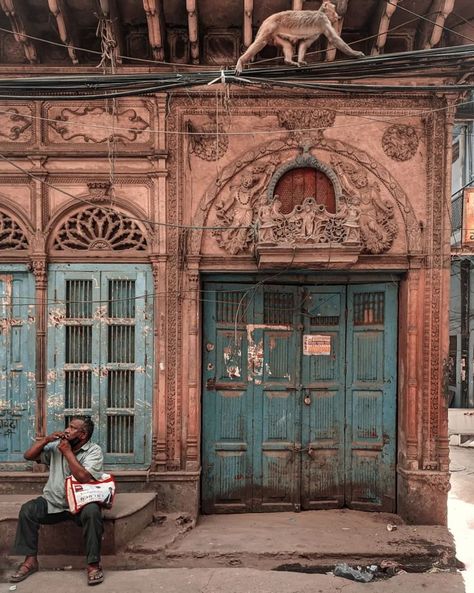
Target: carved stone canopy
column 308, row 227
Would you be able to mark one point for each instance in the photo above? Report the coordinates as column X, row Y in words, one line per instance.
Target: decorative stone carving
column 377, row 225
column 237, row 210
column 99, row 229
column 98, row 125
column 306, row 123
column 11, row 235
column 309, row 223
column 362, row 217
column 400, row 142
column 209, row 141
column 99, row 191
column 14, row 124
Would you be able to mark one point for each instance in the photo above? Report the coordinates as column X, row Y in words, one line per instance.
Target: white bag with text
column 79, row 494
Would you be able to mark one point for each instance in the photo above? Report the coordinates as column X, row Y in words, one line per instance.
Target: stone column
column 39, row 269
column 159, row 384
column 194, row 354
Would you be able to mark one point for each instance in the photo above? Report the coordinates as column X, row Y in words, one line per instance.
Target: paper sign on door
column 317, row 345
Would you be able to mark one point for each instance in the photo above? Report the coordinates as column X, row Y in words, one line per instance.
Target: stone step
column 131, row 513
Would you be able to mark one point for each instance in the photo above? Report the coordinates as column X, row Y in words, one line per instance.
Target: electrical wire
column 459, row 59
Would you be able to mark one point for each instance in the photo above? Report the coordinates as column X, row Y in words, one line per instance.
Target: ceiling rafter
column 341, row 7
column 193, row 29
column 11, row 9
column 248, row 19
column 109, row 11
column 156, row 27
column 59, row 10
column 381, row 25
column 430, row 32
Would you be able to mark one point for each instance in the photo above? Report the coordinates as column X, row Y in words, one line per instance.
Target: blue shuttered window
column 100, row 344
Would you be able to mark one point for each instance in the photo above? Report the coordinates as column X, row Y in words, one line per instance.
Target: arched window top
column 11, row 234
column 305, row 177
column 99, row 229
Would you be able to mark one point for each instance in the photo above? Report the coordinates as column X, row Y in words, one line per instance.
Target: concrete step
column 131, row 513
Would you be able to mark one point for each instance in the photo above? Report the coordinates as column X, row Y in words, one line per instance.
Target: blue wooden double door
column 299, row 397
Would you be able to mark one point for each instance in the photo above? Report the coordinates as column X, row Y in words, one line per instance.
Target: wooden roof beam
column 156, row 27
column 59, row 10
column 10, row 8
column 109, row 11
column 341, row 8
column 248, row 19
column 193, row 29
column 381, row 25
column 429, row 33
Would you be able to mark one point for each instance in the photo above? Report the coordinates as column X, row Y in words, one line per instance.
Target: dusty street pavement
column 461, row 509
column 215, row 579
column 233, row 580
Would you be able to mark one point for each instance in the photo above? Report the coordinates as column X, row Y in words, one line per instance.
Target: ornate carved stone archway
column 351, row 168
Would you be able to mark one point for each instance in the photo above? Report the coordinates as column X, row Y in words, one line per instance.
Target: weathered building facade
column 246, row 288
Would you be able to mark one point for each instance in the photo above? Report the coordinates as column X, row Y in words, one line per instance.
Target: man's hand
column 54, row 436
column 64, row 446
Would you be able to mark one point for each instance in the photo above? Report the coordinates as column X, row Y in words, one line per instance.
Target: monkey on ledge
column 290, row 27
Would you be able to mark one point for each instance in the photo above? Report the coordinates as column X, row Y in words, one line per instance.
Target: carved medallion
column 99, row 229
column 209, row 141
column 306, row 123
column 11, row 235
column 400, row 142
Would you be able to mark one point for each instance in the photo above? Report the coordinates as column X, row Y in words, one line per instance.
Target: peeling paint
column 56, row 316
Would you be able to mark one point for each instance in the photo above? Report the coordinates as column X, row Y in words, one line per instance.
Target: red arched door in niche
column 301, row 183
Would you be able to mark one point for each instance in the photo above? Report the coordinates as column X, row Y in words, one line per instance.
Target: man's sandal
column 21, row 575
column 95, row 576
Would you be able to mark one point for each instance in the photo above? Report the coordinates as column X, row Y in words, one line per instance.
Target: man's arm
column 33, row 453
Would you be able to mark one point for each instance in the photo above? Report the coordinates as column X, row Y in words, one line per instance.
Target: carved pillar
column 39, row 268
column 193, row 350
column 413, row 358
column 159, row 385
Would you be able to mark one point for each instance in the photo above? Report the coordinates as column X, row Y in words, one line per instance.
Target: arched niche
column 305, row 177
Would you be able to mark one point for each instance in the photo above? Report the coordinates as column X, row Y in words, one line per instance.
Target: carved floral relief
column 208, row 141
column 306, row 123
column 98, row 124
column 15, row 124
column 400, row 142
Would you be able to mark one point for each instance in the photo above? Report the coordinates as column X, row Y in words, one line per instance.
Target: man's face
column 75, row 432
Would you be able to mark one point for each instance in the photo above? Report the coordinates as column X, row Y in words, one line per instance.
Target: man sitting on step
column 66, row 453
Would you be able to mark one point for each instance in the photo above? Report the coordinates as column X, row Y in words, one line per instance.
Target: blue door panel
column 17, row 365
column 371, row 396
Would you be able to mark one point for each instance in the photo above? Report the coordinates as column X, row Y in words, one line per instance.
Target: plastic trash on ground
column 345, row 571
